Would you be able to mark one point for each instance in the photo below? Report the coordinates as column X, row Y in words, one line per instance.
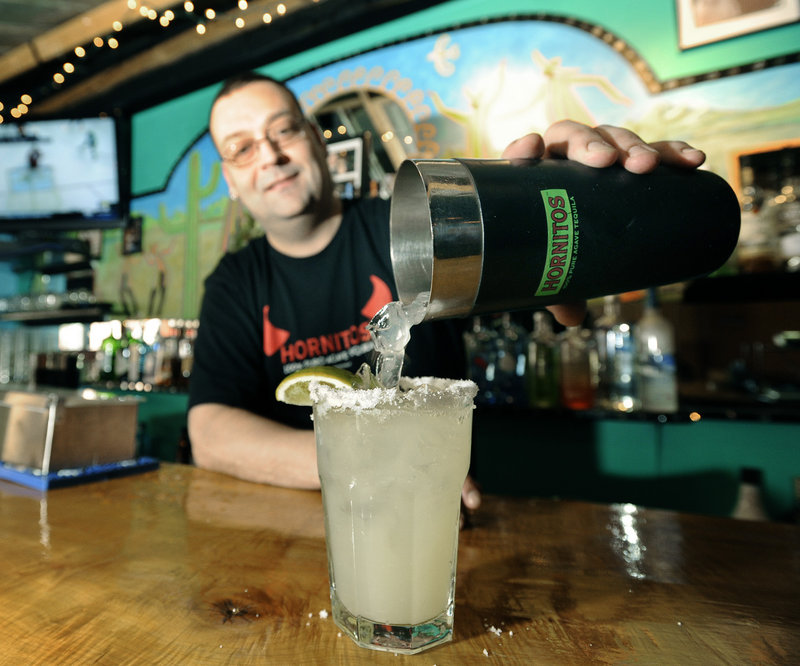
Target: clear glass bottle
column 481, row 360
column 510, row 342
column 750, row 499
column 542, row 363
column 757, row 249
column 578, row 365
column 787, row 212
column 617, row 386
column 139, row 351
column 654, row 338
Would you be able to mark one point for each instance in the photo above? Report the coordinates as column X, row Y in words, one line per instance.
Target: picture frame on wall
column 707, row 21
column 346, row 160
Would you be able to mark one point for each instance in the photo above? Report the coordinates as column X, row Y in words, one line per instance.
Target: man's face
column 277, row 184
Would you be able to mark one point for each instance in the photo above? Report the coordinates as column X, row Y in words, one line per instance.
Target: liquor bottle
column 749, row 501
column 787, row 213
column 757, row 248
column 483, row 236
column 655, row 350
column 481, row 360
column 509, row 379
column 109, row 348
column 139, row 353
column 186, row 351
column 122, row 361
column 542, row 363
column 617, row 386
column 578, row 361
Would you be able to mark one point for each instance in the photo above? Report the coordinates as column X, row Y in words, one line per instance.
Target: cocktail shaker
column 479, row 236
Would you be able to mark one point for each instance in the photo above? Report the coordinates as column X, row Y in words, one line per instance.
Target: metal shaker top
column 437, row 236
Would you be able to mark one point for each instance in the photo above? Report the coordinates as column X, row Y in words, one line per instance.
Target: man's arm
column 237, row 442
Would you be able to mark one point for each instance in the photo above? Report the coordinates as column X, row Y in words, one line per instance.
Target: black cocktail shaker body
column 479, row 236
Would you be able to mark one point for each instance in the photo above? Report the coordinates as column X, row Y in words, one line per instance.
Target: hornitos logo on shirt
column 331, row 348
column 562, row 241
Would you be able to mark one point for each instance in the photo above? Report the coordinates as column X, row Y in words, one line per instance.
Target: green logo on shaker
column 561, row 241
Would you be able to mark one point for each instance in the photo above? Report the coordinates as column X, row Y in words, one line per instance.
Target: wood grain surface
column 183, row 566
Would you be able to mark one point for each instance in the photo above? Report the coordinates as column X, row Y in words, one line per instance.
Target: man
column 306, row 290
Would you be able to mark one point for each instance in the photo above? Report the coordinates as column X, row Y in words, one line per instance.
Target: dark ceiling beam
column 184, row 69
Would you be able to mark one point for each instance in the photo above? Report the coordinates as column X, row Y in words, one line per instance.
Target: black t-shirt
column 265, row 315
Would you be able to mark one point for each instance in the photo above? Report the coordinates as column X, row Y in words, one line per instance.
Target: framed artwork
column 347, row 163
column 707, row 21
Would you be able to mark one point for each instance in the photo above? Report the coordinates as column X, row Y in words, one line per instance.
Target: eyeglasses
column 280, row 134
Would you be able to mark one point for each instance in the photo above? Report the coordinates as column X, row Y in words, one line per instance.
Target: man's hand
column 603, row 146
column 470, row 498
column 600, row 146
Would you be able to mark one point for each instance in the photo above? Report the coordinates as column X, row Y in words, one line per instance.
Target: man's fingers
column 679, row 153
column 571, row 314
column 470, row 494
column 530, row 146
column 604, row 145
column 579, row 142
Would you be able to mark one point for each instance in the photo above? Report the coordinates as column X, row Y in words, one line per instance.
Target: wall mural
column 463, row 100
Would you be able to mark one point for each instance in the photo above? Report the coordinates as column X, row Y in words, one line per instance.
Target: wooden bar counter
column 184, row 566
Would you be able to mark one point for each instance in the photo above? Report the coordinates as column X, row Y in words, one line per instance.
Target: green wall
column 681, row 466
column 161, row 134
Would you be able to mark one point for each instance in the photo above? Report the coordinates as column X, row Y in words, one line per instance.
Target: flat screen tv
column 63, row 174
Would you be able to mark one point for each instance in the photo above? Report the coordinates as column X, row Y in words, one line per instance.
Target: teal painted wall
column 161, row 134
column 685, row 466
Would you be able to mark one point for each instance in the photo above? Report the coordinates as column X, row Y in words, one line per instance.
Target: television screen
column 61, row 174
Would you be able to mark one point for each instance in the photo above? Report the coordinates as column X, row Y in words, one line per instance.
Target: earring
column 233, row 196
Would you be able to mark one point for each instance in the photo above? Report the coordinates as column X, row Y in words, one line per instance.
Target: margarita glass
column 392, row 463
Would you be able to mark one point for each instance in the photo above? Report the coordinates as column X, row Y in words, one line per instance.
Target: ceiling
column 152, row 63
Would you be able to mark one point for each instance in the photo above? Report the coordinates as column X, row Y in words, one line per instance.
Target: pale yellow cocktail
column 392, row 463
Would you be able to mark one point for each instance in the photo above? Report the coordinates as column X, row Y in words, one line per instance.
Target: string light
column 165, row 19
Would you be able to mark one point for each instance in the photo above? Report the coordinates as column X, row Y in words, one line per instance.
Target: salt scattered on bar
column 323, row 614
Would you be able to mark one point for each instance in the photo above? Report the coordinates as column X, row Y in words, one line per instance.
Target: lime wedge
column 294, row 388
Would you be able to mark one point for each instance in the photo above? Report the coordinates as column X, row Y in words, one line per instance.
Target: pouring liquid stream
column 390, row 330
